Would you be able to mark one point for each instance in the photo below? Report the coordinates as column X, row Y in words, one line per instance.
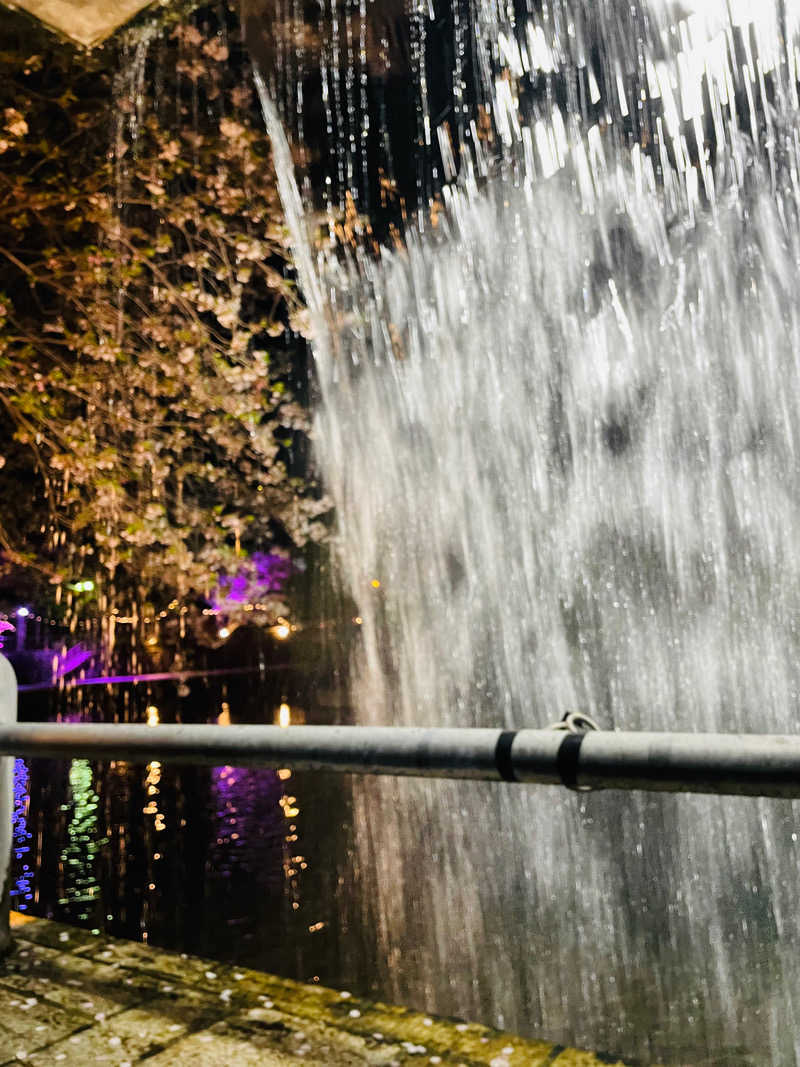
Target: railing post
column 8, row 714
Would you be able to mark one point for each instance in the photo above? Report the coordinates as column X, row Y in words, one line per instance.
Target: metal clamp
column 575, row 722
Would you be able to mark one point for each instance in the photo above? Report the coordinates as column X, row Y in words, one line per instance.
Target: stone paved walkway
column 74, row 999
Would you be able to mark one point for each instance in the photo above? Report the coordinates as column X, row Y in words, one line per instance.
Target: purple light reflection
column 72, row 659
column 155, row 676
column 250, row 823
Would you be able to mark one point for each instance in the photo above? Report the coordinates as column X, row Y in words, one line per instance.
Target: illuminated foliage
column 152, row 433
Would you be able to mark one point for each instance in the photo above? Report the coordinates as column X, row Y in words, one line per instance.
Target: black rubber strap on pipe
column 568, row 759
column 502, row 756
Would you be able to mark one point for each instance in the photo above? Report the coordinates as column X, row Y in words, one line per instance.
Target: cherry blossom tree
column 152, row 382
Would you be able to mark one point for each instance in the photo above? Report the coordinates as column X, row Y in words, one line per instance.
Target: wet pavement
column 75, row 998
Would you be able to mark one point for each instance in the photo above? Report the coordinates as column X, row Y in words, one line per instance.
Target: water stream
column 559, row 422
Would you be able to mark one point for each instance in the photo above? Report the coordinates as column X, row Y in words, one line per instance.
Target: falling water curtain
column 360, row 87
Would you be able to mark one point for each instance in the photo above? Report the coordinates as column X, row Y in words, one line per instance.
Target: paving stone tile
column 221, row 1050
column 155, row 961
column 427, row 1035
column 264, row 1037
column 54, row 935
column 71, row 981
column 314, row 1040
column 30, row 1023
column 123, row 1038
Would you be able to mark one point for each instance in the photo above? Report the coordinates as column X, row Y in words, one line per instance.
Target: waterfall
column 560, row 426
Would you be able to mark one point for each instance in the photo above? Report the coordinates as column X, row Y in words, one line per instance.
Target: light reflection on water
column 249, row 830
column 79, row 852
column 21, row 891
column 234, row 863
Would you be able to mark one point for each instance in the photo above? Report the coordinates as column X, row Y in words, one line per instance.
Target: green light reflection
column 77, row 861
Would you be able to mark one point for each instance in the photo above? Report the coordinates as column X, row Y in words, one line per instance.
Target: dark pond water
column 250, row 866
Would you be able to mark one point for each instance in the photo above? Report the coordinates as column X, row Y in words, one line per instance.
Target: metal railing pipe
column 737, row 764
column 765, row 765
column 438, row 752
